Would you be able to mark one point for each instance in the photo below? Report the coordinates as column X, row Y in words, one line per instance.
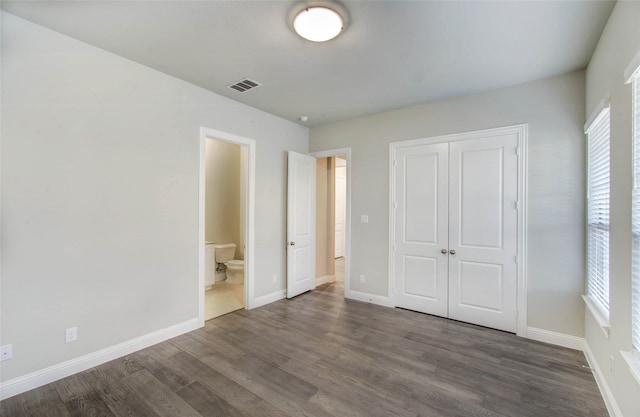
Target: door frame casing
column 249, row 215
column 521, row 131
column 347, row 241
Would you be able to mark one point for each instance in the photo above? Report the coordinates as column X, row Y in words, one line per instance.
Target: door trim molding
column 348, row 293
column 521, row 131
column 249, row 253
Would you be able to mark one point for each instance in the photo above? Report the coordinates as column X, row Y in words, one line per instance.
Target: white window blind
column 598, row 211
column 635, row 225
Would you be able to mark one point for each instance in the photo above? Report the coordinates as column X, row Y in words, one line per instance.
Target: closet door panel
column 421, row 228
column 483, row 231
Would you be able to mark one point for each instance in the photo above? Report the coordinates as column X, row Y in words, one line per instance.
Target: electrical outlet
column 71, row 334
column 6, row 352
column 362, row 279
column 364, row 218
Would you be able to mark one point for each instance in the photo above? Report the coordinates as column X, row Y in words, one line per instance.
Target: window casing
column 598, row 191
column 635, row 222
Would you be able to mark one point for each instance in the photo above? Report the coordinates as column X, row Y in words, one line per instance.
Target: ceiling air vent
column 245, row 85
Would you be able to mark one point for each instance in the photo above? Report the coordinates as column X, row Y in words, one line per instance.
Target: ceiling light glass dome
column 318, row 24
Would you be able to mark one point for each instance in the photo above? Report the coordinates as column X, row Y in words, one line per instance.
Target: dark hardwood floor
column 321, row 355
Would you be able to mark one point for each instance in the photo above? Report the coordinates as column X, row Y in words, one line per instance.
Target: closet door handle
column 443, row 251
column 292, row 243
column 452, row 251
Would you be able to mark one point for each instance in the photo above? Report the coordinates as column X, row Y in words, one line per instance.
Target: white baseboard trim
column 269, row 298
column 325, row 279
column 62, row 370
column 607, row 395
column 554, row 338
column 369, row 298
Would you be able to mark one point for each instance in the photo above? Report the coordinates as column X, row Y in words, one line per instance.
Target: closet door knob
column 443, row 251
column 452, row 251
column 292, row 243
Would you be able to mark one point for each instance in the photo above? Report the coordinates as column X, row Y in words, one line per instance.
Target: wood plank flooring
column 320, row 355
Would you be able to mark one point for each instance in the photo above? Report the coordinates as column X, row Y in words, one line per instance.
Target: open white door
column 301, row 224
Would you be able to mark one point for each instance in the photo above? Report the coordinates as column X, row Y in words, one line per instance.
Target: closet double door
column 455, row 225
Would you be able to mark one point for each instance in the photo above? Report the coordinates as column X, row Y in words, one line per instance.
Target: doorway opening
column 226, row 231
column 224, row 224
column 332, row 218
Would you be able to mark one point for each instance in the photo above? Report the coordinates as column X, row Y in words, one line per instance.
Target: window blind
column 598, row 211
column 635, row 224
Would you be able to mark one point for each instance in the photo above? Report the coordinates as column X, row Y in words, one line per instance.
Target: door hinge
column 515, row 259
column 395, row 205
column 395, row 162
column 517, row 205
column 517, row 151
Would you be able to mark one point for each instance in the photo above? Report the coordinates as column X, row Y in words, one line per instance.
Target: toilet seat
column 237, row 263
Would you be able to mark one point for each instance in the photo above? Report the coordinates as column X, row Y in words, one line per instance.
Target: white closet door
column 483, row 192
column 421, row 228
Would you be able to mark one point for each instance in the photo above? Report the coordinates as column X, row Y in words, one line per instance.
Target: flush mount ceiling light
column 318, row 23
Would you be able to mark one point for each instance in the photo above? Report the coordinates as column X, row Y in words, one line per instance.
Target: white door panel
column 480, row 285
column 478, row 181
column 482, row 200
column 301, row 221
column 421, row 228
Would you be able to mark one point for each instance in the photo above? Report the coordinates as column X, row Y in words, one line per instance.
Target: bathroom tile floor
column 223, row 298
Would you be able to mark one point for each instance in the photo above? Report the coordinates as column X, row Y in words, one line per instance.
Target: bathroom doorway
column 332, row 219
column 226, row 223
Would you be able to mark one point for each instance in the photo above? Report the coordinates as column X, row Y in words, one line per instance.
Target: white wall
column 619, row 43
column 222, row 193
column 554, row 110
column 100, row 165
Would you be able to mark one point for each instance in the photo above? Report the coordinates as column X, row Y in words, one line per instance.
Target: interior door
column 483, row 231
column 421, row 228
column 301, row 224
column 340, row 215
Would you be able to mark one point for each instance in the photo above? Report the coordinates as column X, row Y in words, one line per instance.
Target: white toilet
column 235, row 271
column 224, row 254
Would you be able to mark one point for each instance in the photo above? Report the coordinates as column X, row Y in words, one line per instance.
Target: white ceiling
column 393, row 54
